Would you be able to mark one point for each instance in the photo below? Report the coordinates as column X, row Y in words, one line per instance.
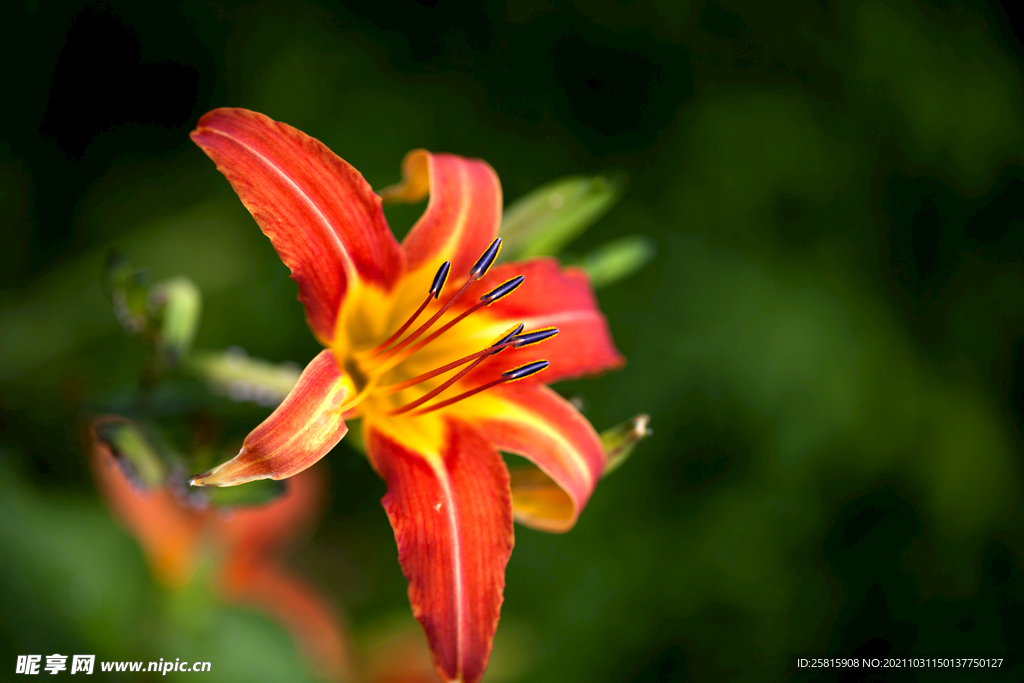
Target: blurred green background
column 829, row 339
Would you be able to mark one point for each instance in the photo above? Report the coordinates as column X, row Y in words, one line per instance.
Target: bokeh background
column 829, row 339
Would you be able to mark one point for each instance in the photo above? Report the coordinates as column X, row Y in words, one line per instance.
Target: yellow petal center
column 370, row 316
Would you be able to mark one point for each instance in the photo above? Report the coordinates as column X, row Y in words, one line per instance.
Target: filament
column 513, row 375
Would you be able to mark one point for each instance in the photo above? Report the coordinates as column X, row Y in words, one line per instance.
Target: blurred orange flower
column 248, row 545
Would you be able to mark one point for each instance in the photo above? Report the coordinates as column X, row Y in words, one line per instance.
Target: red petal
column 253, row 534
column 303, row 429
column 452, row 516
column 168, row 533
column 540, row 425
column 549, row 297
column 316, row 627
column 320, row 214
column 254, row 537
column 462, row 216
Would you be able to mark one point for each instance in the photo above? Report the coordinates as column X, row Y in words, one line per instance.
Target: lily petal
column 322, row 217
column 538, row 501
column 251, row 573
column 463, row 213
column 303, row 429
column 452, row 516
column 550, row 296
column 535, row 422
column 169, row 534
column 306, row 614
column 258, row 534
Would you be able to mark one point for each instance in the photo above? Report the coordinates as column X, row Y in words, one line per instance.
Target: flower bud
column 620, row 440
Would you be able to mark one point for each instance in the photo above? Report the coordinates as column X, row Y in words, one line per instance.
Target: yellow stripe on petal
column 452, row 517
column 538, row 424
column 540, row 503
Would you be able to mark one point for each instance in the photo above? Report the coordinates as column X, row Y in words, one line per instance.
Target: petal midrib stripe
column 460, row 608
column 335, row 238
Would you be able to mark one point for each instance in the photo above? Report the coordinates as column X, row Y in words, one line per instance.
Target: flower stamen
column 435, row 291
column 512, row 375
column 486, row 260
column 535, row 337
column 478, row 270
column 503, row 342
column 487, row 299
column 513, row 337
column 495, row 348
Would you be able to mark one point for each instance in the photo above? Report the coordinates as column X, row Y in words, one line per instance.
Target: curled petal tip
column 542, row 426
column 231, row 473
column 446, row 230
column 203, row 479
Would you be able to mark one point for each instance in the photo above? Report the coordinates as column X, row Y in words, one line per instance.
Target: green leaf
column 547, row 219
column 620, row 440
column 242, row 377
column 181, row 304
column 617, row 260
column 252, row 494
column 133, row 450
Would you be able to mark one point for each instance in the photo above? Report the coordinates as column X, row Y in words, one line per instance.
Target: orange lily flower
column 248, row 544
column 441, row 383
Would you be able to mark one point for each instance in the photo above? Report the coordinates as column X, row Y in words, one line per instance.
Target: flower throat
column 367, row 367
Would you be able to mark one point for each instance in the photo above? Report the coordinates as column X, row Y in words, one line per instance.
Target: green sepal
column 547, row 219
column 132, row 449
column 252, row 494
column 620, row 440
column 243, row 378
column 617, row 260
